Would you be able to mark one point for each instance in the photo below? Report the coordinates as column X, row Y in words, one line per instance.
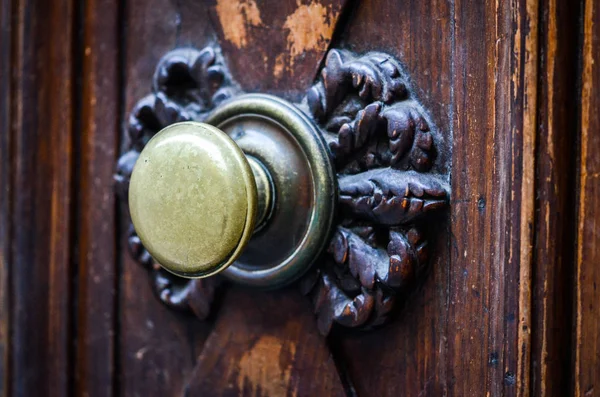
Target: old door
column 506, row 303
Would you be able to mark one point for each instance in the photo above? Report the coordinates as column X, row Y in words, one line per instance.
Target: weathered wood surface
column 507, row 282
column 36, row 163
column 159, row 348
column 97, row 149
column 555, row 201
column 265, row 344
column 410, row 354
column 586, row 369
column 5, row 189
column 275, row 46
column 467, row 331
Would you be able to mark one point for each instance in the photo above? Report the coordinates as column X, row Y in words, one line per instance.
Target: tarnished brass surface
column 361, row 121
column 266, row 193
column 256, row 192
column 295, row 155
column 193, row 199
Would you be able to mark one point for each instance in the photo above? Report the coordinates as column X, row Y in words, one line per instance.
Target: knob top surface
column 193, row 199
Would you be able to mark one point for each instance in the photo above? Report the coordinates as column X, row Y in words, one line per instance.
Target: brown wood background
column 587, row 297
column 510, row 305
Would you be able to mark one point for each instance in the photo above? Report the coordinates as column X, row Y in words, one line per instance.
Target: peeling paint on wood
column 265, row 344
column 257, row 367
column 275, row 46
column 309, row 28
column 236, row 16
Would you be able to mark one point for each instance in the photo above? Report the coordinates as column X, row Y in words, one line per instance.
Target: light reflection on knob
column 195, row 199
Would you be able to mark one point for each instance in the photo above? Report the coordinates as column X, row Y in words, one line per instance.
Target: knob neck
column 265, row 192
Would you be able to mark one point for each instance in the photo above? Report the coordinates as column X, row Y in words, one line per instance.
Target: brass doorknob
column 356, row 166
column 195, row 198
column 200, row 192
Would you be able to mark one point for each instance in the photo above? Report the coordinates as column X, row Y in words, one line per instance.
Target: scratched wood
column 275, row 46
column 466, row 332
column 96, row 226
column 36, row 185
column 265, row 344
column 555, row 201
column 157, row 347
column 586, row 369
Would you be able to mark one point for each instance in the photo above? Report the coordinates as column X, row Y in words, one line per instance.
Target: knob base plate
column 295, row 154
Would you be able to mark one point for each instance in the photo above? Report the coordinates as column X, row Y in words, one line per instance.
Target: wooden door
column 509, row 303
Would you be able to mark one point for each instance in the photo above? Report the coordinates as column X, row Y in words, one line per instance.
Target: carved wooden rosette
column 384, row 148
column 384, row 151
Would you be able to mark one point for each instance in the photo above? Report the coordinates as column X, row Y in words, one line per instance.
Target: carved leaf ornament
column 384, row 149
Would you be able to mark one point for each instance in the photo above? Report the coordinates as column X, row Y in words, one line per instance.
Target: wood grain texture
column 40, row 209
column 492, row 317
column 157, row 347
column 275, row 46
column 5, row 189
column 96, row 228
column 555, row 201
column 467, row 331
column 408, row 356
column 492, row 218
column 264, row 344
column 586, row 370
column 57, row 128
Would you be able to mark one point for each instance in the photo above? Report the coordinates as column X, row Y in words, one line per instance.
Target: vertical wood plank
column 41, row 129
column 57, row 124
column 555, row 201
column 467, row 332
column 408, row 356
column 586, row 370
column 96, row 237
column 158, row 347
column 5, row 189
column 493, row 211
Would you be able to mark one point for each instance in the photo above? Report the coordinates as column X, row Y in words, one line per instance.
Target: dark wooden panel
column 555, row 201
column 587, row 317
column 5, row 188
column 474, row 66
column 408, row 356
column 96, row 237
column 56, row 128
column 157, row 346
column 275, row 46
column 41, row 115
column 495, row 68
column 265, row 344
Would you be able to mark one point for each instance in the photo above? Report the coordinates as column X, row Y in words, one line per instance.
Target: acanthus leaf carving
column 385, row 151
column 390, row 197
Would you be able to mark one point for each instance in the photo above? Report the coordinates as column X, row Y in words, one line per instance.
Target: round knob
column 254, row 188
column 193, row 198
